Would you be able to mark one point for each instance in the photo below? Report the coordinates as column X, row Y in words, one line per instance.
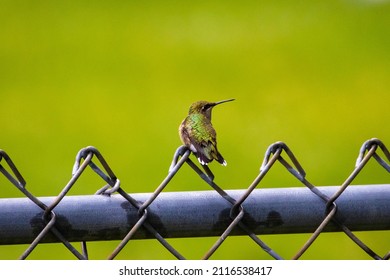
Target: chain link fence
column 48, row 225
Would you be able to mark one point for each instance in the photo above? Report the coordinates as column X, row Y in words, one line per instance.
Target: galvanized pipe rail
column 195, row 214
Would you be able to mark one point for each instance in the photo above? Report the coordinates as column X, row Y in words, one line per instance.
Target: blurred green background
column 120, row 75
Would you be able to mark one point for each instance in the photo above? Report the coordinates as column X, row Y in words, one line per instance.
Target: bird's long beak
column 223, row 101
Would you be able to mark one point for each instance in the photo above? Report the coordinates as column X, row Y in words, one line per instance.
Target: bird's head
column 205, row 107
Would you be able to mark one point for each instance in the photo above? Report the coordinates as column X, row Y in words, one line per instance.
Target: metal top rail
column 195, row 214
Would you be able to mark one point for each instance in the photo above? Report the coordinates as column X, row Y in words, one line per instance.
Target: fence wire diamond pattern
column 278, row 152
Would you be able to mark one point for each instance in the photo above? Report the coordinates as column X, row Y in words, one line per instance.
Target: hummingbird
column 197, row 133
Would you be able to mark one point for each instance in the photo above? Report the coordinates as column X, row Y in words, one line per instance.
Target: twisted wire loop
column 208, row 177
column 143, row 212
column 83, row 160
column 48, row 217
column 367, row 151
column 273, row 154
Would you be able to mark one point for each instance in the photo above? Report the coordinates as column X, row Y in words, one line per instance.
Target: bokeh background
column 120, row 75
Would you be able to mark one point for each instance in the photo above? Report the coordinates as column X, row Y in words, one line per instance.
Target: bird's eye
column 206, row 107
